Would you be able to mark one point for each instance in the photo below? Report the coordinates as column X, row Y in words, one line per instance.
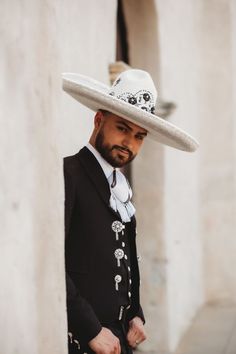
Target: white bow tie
column 121, row 195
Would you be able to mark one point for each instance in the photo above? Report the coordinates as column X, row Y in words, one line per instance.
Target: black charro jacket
column 92, row 300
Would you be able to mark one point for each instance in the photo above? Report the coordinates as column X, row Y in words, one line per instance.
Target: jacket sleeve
column 82, row 321
column 140, row 314
column 83, row 324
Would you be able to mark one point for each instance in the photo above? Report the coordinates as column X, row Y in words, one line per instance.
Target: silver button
column 130, row 281
column 128, row 268
column 71, row 337
column 117, row 227
column 118, row 279
column 129, row 294
column 123, row 244
column 126, row 256
column 119, row 254
column 77, row 343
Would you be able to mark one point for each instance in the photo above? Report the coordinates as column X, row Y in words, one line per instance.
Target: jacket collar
column 106, row 167
column 95, row 173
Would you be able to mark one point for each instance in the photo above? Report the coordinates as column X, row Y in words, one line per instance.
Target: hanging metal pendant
column 71, row 337
column 119, row 254
column 117, row 227
column 118, row 279
column 77, row 343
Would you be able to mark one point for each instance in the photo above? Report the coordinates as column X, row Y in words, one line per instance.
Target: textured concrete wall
column 197, row 58
column 217, row 173
column 179, row 75
column 148, row 179
column 165, row 180
column 87, row 44
column 32, row 301
column 233, row 21
column 39, row 124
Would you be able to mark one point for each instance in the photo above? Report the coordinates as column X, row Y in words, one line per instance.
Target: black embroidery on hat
column 117, row 82
column 132, row 100
column 146, row 97
column 142, row 99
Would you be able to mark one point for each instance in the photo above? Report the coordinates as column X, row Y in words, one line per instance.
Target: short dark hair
column 105, row 113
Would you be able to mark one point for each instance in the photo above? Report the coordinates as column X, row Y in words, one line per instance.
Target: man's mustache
column 123, row 149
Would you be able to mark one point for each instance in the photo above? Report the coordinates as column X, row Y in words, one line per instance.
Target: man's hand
column 105, row 343
column 136, row 333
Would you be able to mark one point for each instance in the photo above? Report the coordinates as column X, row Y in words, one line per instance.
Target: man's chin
column 118, row 163
column 121, row 160
column 115, row 158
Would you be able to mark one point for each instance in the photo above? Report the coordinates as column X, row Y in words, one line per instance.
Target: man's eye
column 122, row 129
column 140, row 137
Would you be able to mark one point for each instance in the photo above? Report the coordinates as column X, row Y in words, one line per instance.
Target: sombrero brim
column 95, row 96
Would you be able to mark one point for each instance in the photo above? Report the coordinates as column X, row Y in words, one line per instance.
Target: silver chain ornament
column 119, row 254
column 117, row 227
column 118, row 279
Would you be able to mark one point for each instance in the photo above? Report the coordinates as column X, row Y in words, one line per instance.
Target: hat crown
column 137, row 88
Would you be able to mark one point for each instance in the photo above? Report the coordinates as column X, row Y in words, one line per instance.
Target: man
column 104, row 312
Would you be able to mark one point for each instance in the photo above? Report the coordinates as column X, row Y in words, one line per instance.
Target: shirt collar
column 107, row 168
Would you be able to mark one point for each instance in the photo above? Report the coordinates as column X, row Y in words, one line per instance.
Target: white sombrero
column 132, row 96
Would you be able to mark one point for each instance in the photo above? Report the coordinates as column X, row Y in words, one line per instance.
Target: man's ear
column 98, row 119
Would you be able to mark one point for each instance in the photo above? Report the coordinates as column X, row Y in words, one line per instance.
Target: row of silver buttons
column 118, row 227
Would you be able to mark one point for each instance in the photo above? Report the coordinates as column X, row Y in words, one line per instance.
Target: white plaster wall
column 32, row 301
column 147, row 176
column 233, row 43
column 88, row 44
column 217, row 174
column 188, row 245
column 179, row 76
column 39, row 124
column 198, row 64
column 148, row 183
column 165, row 180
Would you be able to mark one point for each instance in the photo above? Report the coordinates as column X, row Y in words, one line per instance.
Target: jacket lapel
column 96, row 175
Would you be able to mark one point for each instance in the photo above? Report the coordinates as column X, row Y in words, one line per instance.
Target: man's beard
column 106, row 152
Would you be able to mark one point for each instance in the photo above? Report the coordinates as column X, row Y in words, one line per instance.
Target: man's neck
column 107, row 168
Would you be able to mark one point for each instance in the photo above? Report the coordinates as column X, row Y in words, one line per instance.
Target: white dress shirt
column 121, row 193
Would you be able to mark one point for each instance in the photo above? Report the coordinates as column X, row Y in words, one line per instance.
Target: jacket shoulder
column 71, row 163
column 68, row 160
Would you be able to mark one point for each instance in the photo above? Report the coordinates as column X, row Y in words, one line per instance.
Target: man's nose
column 128, row 143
